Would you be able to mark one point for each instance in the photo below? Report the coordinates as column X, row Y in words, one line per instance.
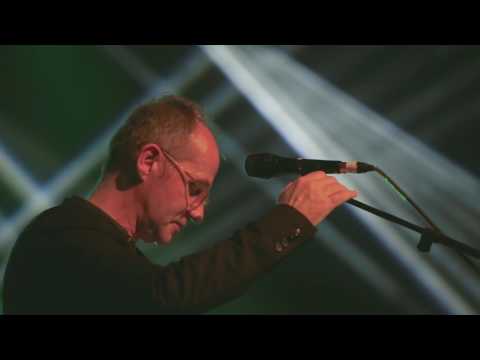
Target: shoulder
column 73, row 225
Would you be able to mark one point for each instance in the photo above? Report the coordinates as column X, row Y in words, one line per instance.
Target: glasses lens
column 198, row 195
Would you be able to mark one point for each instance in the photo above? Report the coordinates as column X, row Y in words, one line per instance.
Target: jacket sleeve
column 223, row 272
column 91, row 273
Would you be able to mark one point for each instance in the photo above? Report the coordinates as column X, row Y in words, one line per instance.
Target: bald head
column 199, row 148
column 169, row 122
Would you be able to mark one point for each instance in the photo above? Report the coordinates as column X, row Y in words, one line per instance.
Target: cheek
column 175, row 197
column 165, row 205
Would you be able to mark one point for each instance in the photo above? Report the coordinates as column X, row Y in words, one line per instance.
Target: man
column 80, row 257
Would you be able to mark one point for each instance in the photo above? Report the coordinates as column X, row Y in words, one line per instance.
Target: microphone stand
column 268, row 165
column 428, row 237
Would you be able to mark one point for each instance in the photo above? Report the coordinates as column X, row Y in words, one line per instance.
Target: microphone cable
column 429, row 221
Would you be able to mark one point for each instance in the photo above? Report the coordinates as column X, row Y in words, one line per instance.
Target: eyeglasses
column 196, row 192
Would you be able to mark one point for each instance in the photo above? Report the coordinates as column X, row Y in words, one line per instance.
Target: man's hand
column 315, row 195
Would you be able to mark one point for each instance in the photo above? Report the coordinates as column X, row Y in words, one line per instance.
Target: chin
column 164, row 237
column 164, row 241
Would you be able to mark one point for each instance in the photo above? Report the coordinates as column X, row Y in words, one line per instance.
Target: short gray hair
column 165, row 121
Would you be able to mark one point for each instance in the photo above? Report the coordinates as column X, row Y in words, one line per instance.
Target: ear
column 149, row 158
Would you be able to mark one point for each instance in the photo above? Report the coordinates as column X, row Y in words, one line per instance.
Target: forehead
column 204, row 158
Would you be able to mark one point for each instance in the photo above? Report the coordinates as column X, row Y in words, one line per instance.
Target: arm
column 114, row 278
column 212, row 277
column 97, row 274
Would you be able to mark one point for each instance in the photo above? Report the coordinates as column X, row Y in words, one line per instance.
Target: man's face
column 165, row 191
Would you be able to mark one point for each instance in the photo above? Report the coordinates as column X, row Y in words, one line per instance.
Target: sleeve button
column 278, row 247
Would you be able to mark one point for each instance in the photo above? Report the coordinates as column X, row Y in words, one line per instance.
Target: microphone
column 268, row 165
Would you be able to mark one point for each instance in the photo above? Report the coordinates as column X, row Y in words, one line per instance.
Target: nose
column 197, row 214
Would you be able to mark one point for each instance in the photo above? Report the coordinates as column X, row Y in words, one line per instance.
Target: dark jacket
column 74, row 258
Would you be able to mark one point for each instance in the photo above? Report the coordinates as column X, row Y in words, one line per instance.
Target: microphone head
column 261, row 165
column 266, row 165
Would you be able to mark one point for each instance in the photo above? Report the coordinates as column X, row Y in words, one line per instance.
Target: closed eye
column 196, row 189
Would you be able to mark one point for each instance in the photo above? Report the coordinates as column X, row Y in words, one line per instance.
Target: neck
column 120, row 205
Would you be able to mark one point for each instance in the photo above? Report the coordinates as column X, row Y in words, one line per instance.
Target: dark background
column 59, row 104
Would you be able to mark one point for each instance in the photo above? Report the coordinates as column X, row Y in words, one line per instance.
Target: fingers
column 315, row 195
column 337, row 192
column 318, row 181
column 328, row 184
column 333, row 188
column 340, row 197
column 313, row 175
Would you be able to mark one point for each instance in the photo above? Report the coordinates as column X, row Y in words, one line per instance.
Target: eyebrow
column 201, row 181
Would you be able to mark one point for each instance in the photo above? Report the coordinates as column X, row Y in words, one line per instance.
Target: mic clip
column 426, row 240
